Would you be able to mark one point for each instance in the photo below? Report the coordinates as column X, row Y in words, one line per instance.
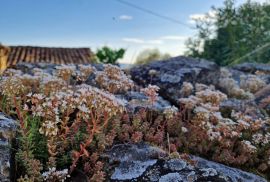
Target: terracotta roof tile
column 49, row 55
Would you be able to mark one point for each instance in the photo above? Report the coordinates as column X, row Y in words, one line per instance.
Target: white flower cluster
column 251, row 83
column 213, row 97
column 12, row 86
column 85, row 72
column 247, row 145
column 170, row 111
column 53, row 99
column 113, row 79
column 151, row 92
column 205, row 105
column 49, row 128
column 54, row 175
column 230, row 86
column 260, row 139
column 187, row 89
column 65, row 71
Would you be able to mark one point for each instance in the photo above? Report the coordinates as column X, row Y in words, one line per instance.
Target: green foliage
column 39, row 143
column 149, row 55
column 32, row 153
column 109, row 56
column 234, row 34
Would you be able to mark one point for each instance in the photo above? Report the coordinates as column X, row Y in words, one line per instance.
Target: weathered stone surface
column 261, row 70
column 253, row 68
column 246, row 106
column 146, row 163
column 7, row 133
column 171, row 177
column 231, row 174
column 137, row 100
column 129, row 170
column 170, row 74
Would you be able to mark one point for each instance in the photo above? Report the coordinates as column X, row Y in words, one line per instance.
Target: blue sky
column 94, row 23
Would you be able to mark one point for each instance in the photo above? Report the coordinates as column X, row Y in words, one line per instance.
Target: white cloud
column 261, row 1
column 193, row 17
column 142, row 41
column 154, row 41
column 197, row 16
column 125, row 17
column 158, row 41
column 134, row 40
column 174, row 37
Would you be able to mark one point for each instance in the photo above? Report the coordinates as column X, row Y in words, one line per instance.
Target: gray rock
column 261, row 70
column 146, row 163
column 7, row 133
column 175, row 164
column 171, row 177
column 235, row 175
column 246, row 106
column 128, row 152
column 170, row 74
column 137, row 100
column 129, row 170
column 170, row 78
column 253, row 67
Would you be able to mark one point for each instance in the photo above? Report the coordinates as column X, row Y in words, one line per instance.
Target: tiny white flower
column 29, row 94
column 25, row 107
column 83, row 108
column 184, row 129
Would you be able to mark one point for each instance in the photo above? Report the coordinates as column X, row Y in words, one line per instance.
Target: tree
column 149, row 55
column 108, row 55
column 234, row 34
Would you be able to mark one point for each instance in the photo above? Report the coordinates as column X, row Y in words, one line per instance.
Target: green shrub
column 233, row 35
column 149, row 55
column 109, row 56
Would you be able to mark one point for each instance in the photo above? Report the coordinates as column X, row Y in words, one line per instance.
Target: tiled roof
column 48, row 55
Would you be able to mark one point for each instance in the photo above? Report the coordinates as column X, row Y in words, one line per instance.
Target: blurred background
column 140, row 31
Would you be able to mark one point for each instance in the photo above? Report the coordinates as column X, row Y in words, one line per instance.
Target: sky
column 95, row 23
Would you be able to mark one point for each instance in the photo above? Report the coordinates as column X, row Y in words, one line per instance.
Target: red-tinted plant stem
column 94, row 130
column 19, row 114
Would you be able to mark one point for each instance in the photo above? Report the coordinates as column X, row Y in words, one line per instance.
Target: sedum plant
column 65, row 126
column 67, row 118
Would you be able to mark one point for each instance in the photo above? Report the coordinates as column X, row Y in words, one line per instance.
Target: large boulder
column 146, row 163
column 170, row 74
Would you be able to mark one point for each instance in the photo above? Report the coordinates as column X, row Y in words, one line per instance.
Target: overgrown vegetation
column 62, row 126
column 231, row 34
column 65, row 126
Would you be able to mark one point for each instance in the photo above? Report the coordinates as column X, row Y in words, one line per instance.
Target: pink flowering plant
column 65, row 125
column 60, row 124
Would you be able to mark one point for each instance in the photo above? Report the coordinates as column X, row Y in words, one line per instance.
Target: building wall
column 4, row 51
